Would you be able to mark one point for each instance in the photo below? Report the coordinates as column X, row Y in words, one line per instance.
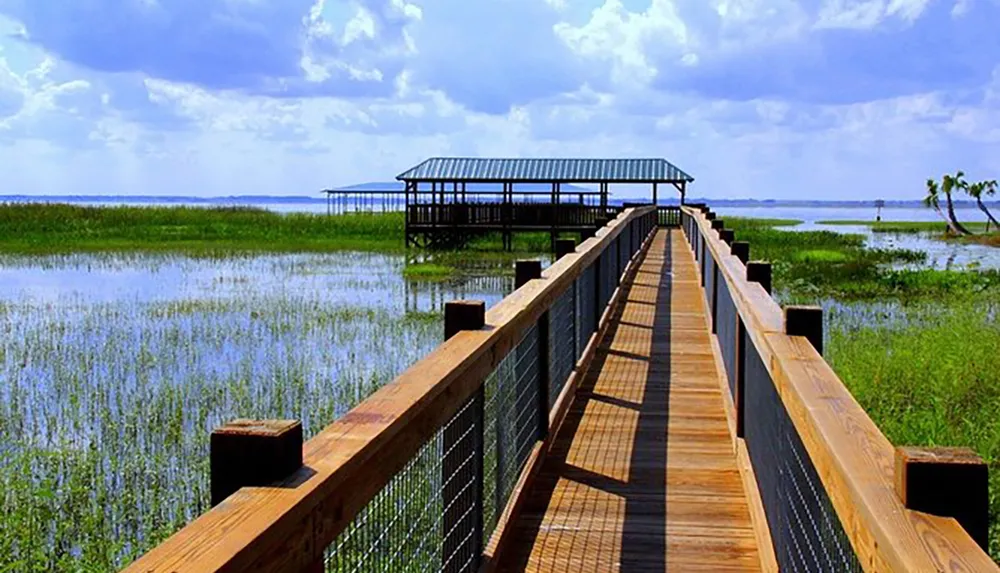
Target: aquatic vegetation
column 811, row 265
column 927, row 375
column 43, row 228
column 108, row 393
column 429, row 271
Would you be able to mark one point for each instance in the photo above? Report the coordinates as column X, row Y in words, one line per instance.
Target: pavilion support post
column 655, row 202
column 554, row 216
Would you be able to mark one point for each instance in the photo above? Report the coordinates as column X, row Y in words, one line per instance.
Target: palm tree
column 948, row 184
column 932, row 201
column 977, row 190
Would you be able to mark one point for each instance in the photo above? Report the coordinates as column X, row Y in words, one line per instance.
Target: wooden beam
column 727, row 236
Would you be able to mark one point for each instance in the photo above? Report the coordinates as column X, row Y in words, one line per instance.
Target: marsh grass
column 808, row 265
column 928, row 375
column 429, row 271
column 46, row 228
column 109, row 395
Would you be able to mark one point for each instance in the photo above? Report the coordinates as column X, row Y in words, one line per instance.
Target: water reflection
column 358, row 279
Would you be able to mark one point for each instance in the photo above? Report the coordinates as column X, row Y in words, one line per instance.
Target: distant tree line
column 951, row 184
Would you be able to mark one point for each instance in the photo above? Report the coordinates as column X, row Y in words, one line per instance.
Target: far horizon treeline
column 951, row 184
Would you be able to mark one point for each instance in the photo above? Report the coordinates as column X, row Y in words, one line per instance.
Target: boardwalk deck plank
column 642, row 475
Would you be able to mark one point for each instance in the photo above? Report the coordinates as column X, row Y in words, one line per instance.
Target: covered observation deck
column 441, row 212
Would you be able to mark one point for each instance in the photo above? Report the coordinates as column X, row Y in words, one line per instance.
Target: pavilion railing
column 668, row 215
column 834, row 495
column 497, row 215
column 423, row 474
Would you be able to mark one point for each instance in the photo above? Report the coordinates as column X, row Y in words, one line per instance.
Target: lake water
column 115, row 369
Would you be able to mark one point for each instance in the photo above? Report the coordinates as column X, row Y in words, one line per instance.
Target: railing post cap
column 262, row 428
column 462, row 315
column 807, row 321
column 564, row 247
column 252, row 453
column 946, row 481
column 526, row 270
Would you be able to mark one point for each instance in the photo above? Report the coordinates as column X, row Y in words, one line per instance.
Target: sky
column 782, row 99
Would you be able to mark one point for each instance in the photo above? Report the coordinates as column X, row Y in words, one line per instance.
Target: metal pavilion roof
column 545, row 170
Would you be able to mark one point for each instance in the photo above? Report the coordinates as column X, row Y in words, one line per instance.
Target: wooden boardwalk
column 642, row 476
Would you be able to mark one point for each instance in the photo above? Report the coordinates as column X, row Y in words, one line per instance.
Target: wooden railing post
column 457, row 498
column 760, row 272
column 718, row 224
column 247, row 453
column 950, row 482
column 805, row 321
column 727, row 236
column 256, row 453
column 741, row 250
column 526, row 270
column 564, row 247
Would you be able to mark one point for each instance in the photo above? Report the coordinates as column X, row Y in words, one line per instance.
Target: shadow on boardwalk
column 628, row 383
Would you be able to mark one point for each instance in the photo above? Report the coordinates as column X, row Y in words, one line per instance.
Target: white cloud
column 754, row 98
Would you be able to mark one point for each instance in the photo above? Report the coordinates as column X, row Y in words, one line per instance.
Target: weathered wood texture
column 642, row 475
column 286, row 526
column 854, row 460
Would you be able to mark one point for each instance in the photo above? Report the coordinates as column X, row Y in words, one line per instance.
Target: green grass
column 930, row 376
column 429, row 271
column 60, row 228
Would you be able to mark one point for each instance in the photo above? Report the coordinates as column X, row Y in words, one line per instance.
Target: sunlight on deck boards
column 642, row 476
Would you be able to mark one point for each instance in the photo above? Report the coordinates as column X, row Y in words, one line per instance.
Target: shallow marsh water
column 115, row 369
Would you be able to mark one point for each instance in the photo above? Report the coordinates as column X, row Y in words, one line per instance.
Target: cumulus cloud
column 763, row 98
column 274, row 47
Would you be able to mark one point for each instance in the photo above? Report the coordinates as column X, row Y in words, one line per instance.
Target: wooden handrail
column 287, row 526
column 854, row 460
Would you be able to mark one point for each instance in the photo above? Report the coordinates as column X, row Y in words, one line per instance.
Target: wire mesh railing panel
column 805, row 529
column 400, row 528
column 622, row 258
column 710, row 277
column 726, row 331
column 511, row 415
column 586, row 288
column 562, row 341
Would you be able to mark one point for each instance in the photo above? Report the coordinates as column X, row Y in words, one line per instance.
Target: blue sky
column 824, row 99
